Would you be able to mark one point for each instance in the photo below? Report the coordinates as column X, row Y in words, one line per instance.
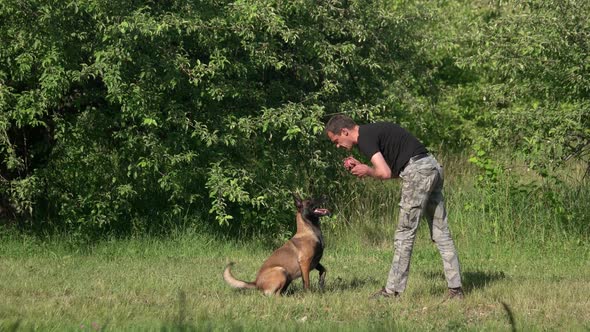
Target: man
column 394, row 152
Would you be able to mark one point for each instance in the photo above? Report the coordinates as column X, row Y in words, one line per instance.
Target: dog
column 296, row 258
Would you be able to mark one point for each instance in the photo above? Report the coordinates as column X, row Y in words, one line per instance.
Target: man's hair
column 339, row 122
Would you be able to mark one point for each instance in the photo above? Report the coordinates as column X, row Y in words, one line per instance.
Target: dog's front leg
column 322, row 270
column 305, row 267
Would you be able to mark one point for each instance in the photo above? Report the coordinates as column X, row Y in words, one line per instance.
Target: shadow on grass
column 472, row 279
column 480, row 279
column 340, row 284
column 332, row 285
column 10, row 327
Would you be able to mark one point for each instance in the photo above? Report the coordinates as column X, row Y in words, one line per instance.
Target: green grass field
column 517, row 273
column 176, row 284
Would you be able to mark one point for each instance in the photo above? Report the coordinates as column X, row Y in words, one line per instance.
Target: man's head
column 342, row 131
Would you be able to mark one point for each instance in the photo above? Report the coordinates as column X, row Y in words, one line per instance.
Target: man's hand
column 349, row 163
column 380, row 169
column 361, row 170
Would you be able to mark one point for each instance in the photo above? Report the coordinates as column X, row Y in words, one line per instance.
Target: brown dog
column 294, row 259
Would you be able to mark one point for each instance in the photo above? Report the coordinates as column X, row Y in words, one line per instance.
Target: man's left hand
column 361, row 170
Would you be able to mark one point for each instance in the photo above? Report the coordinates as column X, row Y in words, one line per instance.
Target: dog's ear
column 298, row 202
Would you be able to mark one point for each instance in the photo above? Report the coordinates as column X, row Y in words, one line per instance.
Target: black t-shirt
column 395, row 143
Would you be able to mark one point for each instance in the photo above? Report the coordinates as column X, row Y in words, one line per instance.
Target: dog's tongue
column 322, row 212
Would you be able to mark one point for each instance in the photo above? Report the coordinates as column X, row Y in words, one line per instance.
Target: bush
column 119, row 116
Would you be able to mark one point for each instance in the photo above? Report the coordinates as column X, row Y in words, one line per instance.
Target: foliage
column 119, row 115
column 522, row 75
column 129, row 116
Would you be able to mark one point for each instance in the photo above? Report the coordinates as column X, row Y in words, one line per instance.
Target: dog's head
column 311, row 209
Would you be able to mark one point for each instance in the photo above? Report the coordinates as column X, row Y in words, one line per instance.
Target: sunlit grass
column 174, row 283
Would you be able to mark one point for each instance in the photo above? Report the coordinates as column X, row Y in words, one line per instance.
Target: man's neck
column 355, row 134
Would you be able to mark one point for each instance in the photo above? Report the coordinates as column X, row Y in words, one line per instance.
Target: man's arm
column 380, row 169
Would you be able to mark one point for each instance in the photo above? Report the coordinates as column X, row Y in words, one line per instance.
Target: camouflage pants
column 422, row 195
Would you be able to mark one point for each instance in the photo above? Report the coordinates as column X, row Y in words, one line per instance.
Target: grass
column 176, row 284
column 525, row 266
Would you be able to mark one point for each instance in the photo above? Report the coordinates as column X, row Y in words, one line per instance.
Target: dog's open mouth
column 321, row 212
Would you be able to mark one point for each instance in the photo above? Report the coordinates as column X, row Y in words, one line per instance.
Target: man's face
column 342, row 140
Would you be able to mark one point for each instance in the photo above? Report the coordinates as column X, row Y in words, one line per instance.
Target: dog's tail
column 229, row 278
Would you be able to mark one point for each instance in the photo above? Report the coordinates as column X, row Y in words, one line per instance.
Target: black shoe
column 455, row 294
column 382, row 293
